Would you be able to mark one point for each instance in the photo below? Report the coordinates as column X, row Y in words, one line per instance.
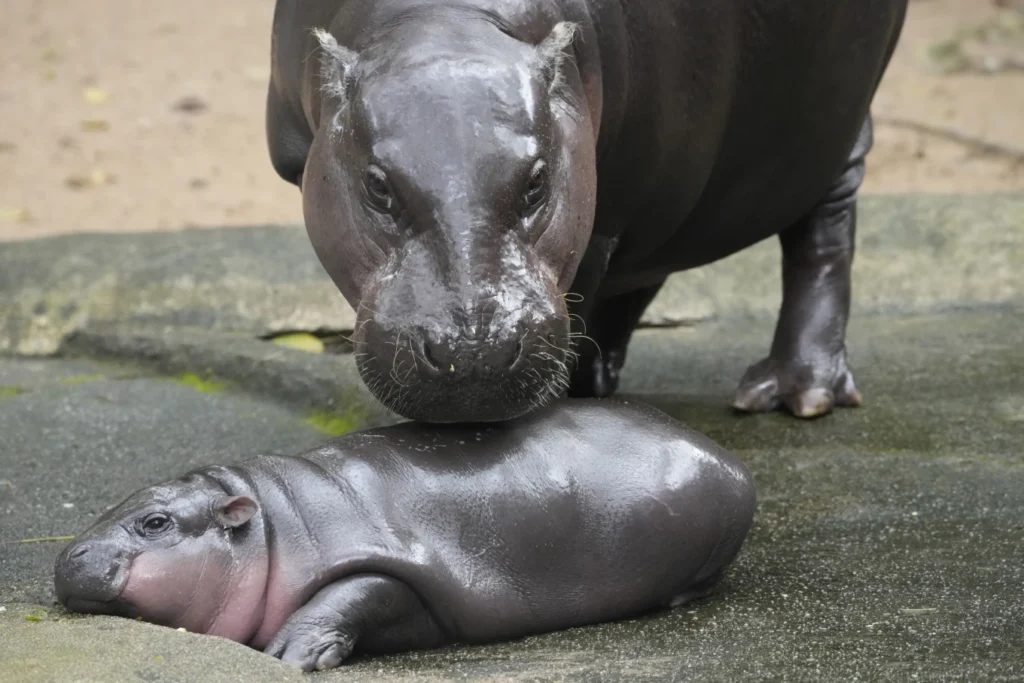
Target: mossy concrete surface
column 887, row 545
column 913, row 253
column 35, row 646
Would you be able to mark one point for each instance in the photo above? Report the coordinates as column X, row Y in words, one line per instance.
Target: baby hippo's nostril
column 79, row 552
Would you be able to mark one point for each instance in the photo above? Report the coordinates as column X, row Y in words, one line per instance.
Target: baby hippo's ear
column 232, row 512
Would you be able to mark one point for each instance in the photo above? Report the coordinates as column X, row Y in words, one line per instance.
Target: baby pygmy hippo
column 413, row 536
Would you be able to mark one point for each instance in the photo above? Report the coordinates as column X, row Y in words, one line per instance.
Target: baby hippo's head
column 184, row 553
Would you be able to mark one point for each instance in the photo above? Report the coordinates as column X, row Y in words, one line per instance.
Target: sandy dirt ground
column 120, row 115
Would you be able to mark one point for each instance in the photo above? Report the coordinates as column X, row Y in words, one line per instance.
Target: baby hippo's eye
column 155, row 524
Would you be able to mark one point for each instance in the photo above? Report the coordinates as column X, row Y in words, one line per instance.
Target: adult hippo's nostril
column 488, row 357
column 518, row 357
column 427, row 355
column 79, row 552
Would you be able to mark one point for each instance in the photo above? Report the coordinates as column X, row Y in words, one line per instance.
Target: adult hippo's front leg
column 807, row 370
column 601, row 339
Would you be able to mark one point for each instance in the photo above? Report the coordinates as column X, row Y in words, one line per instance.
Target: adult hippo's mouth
column 448, row 375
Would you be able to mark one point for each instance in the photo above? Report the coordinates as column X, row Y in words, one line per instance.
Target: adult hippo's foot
column 808, row 390
column 807, row 371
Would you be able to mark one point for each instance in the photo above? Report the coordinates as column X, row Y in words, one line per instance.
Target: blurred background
column 129, row 116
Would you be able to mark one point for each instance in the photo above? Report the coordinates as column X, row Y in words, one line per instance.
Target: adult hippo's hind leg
column 369, row 612
column 806, row 370
column 602, row 353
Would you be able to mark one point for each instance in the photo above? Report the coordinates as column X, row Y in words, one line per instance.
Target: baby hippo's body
column 413, row 536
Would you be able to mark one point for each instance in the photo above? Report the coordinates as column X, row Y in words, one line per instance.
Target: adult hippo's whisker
column 412, row 352
column 580, row 335
column 571, row 316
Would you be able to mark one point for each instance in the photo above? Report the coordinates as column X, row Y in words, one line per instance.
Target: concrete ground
column 887, row 544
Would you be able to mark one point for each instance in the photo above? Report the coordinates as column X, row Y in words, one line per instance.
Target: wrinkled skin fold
column 500, row 189
column 416, row 535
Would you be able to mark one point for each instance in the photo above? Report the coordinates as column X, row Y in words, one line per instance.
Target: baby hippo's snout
column 89, row 574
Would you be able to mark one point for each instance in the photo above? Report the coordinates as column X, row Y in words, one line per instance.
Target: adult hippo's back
column 486, row 180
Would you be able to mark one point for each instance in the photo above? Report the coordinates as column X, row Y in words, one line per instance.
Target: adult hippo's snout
column 435, row 376
column 429, row 357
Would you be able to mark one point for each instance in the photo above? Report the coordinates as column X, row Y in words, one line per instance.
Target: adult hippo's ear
column 232, row 512
column 337, row 66
column 553, row 52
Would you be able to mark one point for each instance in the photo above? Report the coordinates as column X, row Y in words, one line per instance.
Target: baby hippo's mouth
column 90, row 576
column 115, row 607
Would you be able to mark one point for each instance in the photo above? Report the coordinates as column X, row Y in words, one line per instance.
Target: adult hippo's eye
column 377, row 189
column 154, row 524
column 536, row 188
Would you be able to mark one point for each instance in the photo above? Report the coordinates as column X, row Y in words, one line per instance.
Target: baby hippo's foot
column 380, row 613
column 805, row 389
column 311, row 642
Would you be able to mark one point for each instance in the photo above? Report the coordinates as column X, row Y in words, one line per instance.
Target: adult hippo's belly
column 500, row 189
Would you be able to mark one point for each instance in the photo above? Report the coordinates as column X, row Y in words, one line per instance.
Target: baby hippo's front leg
column 374, row 613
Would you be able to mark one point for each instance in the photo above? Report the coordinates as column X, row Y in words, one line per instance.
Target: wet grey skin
column 415, row 535
column 487, row 182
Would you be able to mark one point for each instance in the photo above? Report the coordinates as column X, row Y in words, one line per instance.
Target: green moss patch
column 11, row 391
column 334, row 424
column 205, row 386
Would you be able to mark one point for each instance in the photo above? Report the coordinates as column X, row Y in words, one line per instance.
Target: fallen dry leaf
column 93, row 95
column 15, row 215
column 190, row 104
column 301, row 341
column 95, row 125
column 95, row 178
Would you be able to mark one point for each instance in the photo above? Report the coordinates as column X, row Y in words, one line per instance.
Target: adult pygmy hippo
column 465, row 164
column 413, row 536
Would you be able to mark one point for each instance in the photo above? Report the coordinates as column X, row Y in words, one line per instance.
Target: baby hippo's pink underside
column 419, row 535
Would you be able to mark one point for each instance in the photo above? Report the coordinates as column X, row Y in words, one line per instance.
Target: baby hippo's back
column 586, row 511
